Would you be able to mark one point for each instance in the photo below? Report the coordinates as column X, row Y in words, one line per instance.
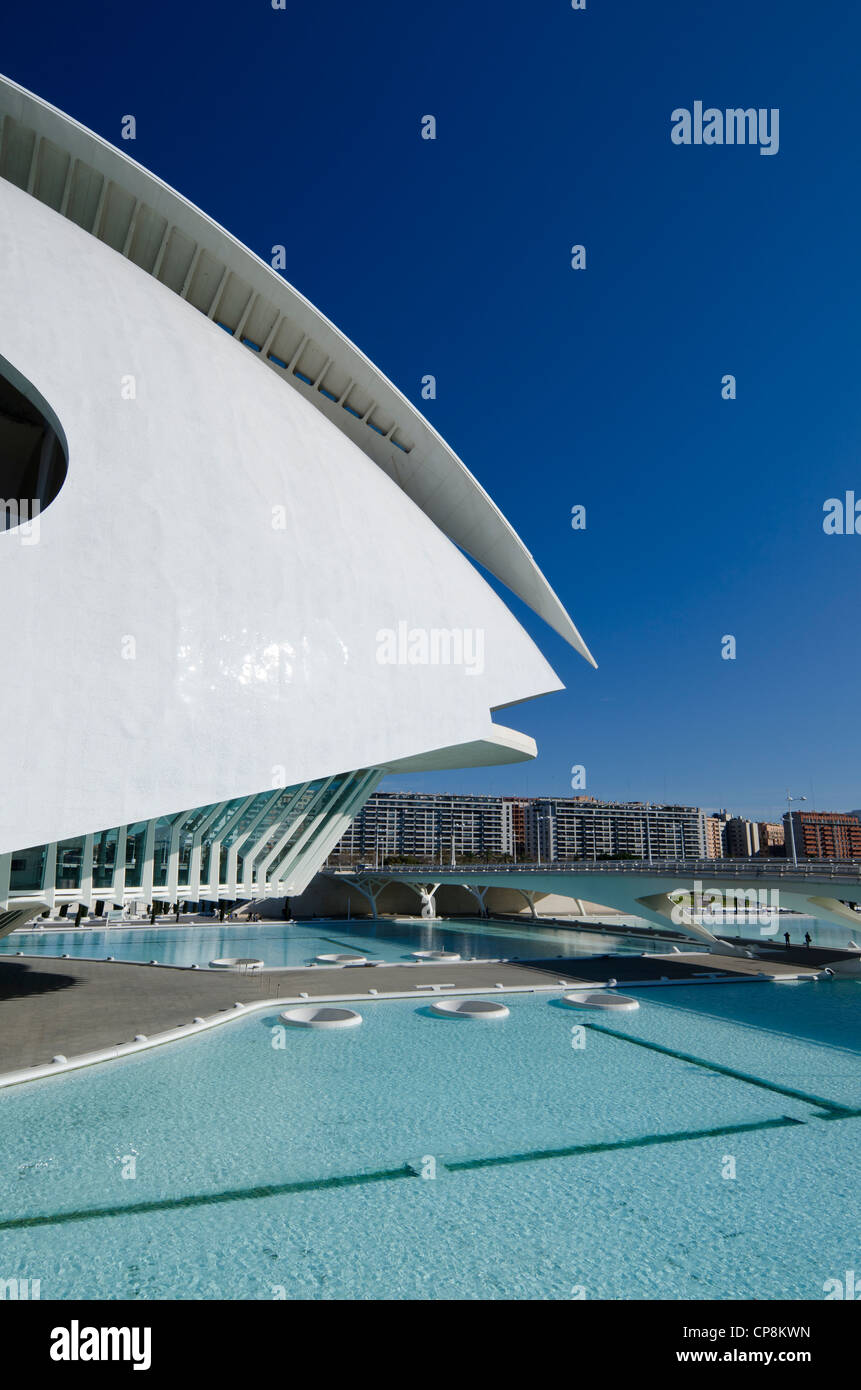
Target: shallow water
column 239, row 1136
column 294, row 944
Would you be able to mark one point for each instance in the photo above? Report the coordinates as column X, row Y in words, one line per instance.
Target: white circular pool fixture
column 343, row 959
column 235, row 963
column 614, row 1003
column 845, row 967
column 435, row 955
column 481, row 1009
column 321, row 1016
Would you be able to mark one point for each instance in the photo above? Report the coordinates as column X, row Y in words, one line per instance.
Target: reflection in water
column 298, row 943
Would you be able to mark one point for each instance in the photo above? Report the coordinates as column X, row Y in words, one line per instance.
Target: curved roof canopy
column 96, row 186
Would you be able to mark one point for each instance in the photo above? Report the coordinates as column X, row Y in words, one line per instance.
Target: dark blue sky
column 559, row 387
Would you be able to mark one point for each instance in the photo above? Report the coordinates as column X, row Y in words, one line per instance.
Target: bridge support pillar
column 530, row 898
column 480, row 895
column 370, row 889
column 659, row 907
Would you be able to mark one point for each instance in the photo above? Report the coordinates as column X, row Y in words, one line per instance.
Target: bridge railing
column 694, row 868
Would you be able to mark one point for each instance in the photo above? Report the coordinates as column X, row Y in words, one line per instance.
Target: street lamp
column 789, row 800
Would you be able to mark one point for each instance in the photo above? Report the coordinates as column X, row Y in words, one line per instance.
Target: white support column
column 303, row 343
column 210, row 313
column 49, row 881
column 133, row 222
column 530, row 898
column 246, row 313
column 283, row 840
column 479, row 894
column 195, row 857
column 660, row 908
column 117, row 888
column 250, row 858
column 147, row 865
column 233, row 852
column 5, row 876
column 189, row 274
column 67, row 186
column 347, row 813
column 326, row 829
column 34, row 163
column 309, row 820
column 100, row 207
column 215, row 847
column 162, row 247
column 367, row 888
column 173, row 856
column 270, row 336
column 263, row 882
column 86, row 893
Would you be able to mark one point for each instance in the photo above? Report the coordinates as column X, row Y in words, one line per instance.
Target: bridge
column 828, row 889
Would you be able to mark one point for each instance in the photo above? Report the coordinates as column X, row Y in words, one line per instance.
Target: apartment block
column 823, row 834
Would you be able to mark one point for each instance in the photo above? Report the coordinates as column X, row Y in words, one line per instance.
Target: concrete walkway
column 51, row 1007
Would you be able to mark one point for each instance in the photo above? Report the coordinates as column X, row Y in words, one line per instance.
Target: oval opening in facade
column 33, row 454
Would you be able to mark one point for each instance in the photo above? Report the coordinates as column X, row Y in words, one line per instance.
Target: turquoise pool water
column 293, row 1169
column 279, row 943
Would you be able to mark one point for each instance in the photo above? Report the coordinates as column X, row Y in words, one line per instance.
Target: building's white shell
column 200, row 615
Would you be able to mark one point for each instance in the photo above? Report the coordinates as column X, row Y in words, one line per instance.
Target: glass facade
column 70, row 862
column 105, row 858
column 28, row 870
column 235, row 848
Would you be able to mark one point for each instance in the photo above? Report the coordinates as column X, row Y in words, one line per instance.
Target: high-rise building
column 716, row 834
column 771, row 838
column 518, row 827
column 742, row 838
column 435, row 827
column 568, row 828
column 822, row 835
column 429, row 827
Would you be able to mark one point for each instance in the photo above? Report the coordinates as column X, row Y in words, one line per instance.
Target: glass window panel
column 70, row 860
column 104, row 858
column 28, row 870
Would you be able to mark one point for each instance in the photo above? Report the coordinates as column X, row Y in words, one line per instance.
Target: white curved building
column 233, row 557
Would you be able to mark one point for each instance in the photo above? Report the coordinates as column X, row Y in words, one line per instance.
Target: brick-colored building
column 822, row 835
column 716, row 835
column 772, row 838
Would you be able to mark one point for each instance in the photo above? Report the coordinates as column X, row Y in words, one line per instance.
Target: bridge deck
column 51, row 1007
